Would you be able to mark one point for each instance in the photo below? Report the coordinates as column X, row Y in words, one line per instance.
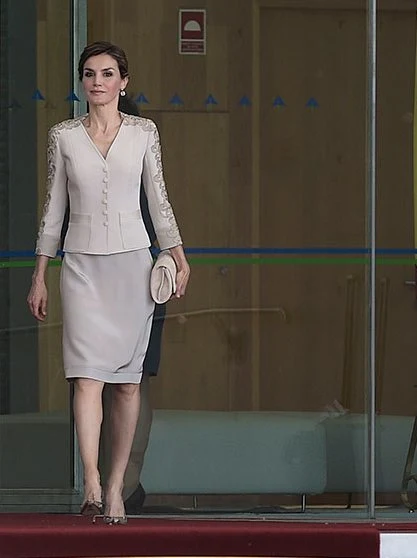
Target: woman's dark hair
column 102, row 47
column 128, row 106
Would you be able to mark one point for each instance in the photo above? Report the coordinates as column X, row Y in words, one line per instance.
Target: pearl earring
column 122, row 92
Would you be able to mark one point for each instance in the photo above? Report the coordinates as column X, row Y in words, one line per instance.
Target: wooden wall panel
column 397, row 5
column 53, row 33
column 294, row 177
column 397, row 318
column 208, row 167
column 312, row 195
column 195, row 354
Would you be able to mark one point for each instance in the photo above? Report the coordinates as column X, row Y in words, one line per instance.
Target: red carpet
column 397, row 527
column 67, row 536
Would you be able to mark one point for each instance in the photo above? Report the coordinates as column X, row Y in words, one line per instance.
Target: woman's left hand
column 183, row 270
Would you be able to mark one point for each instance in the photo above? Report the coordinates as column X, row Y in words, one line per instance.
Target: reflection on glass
column 35, row 429
column 261, row 398
column 396, row 352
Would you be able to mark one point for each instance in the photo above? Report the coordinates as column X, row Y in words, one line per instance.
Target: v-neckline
column 122, row 116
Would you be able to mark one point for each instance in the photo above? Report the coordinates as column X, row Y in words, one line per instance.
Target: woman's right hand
column 37, row 300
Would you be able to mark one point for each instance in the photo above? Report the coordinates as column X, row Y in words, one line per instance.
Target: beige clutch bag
column 163, row 277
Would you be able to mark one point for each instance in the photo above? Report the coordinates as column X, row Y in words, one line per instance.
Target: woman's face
column 101, row 80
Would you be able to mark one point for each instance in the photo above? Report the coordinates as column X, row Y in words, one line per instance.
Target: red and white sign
column 192, row 31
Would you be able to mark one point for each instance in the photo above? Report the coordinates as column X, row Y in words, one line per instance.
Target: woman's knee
column 88, row 386
column 126, row 391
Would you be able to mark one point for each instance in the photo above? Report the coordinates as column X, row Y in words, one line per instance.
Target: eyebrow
column 103, row 70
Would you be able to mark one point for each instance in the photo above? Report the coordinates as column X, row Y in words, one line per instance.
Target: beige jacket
column 105, row 215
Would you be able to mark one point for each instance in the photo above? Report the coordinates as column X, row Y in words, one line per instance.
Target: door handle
column 410, row 283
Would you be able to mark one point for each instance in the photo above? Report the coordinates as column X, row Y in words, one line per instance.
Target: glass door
column 38, row 42
column 396, row 292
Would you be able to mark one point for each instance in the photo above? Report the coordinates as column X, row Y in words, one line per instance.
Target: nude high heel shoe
column 91, row 508
column 114, row 520
column 92, row 504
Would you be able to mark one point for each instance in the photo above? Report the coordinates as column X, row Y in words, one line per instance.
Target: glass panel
column 260, row 399
column 396, row 349
column 35, row 427
column 313, row 200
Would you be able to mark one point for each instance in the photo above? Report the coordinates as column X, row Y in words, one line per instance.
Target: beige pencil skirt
column 107, row 315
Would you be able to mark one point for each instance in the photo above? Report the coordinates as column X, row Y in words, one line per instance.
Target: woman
column 98, row 161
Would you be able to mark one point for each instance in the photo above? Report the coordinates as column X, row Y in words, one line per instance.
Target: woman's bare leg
column 140, row 440
column 124, row 418
column 88, row 415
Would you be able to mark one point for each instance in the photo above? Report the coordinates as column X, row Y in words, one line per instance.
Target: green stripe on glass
column 254, row 260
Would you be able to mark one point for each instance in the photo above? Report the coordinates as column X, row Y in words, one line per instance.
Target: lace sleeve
column 56, row 198
column 162, row 215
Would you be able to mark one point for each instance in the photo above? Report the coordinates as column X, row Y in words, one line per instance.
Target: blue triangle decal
column 37, row 96
column 245, row 101
column 72, row 97
column 141, row 99
column 211, row 100
column 279, row 102
column 312, row 103
column 176, row 100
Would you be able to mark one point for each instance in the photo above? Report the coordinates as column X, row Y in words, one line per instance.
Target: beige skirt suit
column 106, row 303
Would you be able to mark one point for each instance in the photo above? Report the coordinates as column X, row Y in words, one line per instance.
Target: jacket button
column 105, row 224
column 105, row 191
column 105, row 179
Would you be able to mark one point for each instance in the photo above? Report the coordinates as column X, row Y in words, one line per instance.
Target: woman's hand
column 38, row 294
column 183, row 270
column 38, row 299
column 183, row 275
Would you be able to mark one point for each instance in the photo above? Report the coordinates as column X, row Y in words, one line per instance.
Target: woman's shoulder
column 68, row 124
column 145, row 124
